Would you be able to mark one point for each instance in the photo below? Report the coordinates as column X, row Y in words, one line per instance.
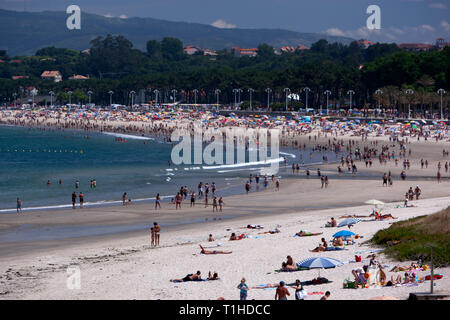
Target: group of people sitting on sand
column 289, row 265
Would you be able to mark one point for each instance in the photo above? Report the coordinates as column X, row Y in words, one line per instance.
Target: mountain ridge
column 23, row 33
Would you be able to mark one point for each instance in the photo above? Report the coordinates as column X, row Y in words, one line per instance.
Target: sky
column 402, row 21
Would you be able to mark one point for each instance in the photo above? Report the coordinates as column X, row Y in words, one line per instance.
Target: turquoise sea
column 139, row 166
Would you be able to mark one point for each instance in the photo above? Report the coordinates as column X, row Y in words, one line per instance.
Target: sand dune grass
column 406, row 240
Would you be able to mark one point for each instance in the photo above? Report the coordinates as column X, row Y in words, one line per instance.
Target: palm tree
column 426, row 81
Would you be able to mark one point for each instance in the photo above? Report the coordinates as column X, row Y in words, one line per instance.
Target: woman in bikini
column 303, row 233
column 213, row 251
column 157, row 201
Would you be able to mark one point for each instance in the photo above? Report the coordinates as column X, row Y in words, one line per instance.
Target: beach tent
column 343, row 233
column 348, row 222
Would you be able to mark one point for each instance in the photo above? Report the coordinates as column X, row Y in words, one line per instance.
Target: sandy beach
column 123, row 265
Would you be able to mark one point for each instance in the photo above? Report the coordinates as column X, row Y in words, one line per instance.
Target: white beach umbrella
column 374, row 202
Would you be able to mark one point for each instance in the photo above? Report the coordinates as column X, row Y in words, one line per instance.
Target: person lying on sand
column 213, row 251
column 303, row 233
column 394, row 281
column 189, row 277
column 382, row 217
column 353, row 216
column 271, row 231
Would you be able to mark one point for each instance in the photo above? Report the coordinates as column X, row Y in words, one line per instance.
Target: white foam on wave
column 128, row 136
column 244, row 164
column 289, row 154
column 86, row 204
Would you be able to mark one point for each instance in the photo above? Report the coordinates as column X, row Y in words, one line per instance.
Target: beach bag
column 357, row 258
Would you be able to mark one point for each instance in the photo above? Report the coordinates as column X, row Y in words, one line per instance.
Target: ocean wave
column 128, row 136
column 244, row 164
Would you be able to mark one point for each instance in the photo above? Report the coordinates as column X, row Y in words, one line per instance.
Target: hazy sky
column 401, row 20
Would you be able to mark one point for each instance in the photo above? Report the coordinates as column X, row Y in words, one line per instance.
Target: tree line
column 114, row 65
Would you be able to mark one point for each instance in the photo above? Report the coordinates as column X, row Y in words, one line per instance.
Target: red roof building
column 417, row 47
column 52, row 75
column 78, row 77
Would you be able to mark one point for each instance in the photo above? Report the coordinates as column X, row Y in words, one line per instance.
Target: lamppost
column 156, row 92
column 286, row 91
column 409, row 92
column 89, row 95
column 33, row 93
column 268, row 91
column 306, row 89
column 174, row 92
column 441, row 92
column 70, row 97
column 379, row 92
column 351, row 93
column 14, row 95
column 239, row 95
column 250, row 91
column 235, row 97
column 327, row 93
column 195, row 95
column 132, row 94
column 217, row 92
column 51, row 98
column 110, row 97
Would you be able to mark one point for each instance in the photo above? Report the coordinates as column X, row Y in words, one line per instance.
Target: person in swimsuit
column 282, row 292
column 158, row 201
column 152, row 230
column 213, row 251
column 81, row 196
column 19, row 205
column 124, row 197
column 193, row 199
column 189, row 277
column 156, row 230
column 221, row 203
column 213, row 276
column 214, row 204
column 303, row 233
column 74, row 199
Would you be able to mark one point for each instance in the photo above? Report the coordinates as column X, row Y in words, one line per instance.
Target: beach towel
column 335, row 248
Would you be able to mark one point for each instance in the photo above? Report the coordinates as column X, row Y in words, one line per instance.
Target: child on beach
column 244, row 288
column 221, row 203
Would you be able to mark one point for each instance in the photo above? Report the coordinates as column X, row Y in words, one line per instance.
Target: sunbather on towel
column 213, row 251
column 303, row 233
column 189, row 277
column 235, row 237
column 271, row 231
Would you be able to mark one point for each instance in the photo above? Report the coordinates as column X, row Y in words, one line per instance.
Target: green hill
column 22, row 33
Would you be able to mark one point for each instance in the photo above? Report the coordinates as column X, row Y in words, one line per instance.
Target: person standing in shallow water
column 74, row 199
column 81, row 196
column 19, row 205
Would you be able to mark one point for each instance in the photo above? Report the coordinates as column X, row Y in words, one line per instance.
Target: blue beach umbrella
column 319, row 263
column 343, row 233
column 348, row 221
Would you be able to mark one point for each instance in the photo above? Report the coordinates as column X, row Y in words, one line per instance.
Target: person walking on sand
column 277, row 185
column 178, row 199
column 206, row 200
column 152, row 231
column 74, row 199
column 282, row 292
column 156, row 230
column 243, row 289
column 19, row 205
column 193, row 199
column 438, row 176
column 215, row 205
column 81, row 196
column 157, row 201
column 221, row 203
